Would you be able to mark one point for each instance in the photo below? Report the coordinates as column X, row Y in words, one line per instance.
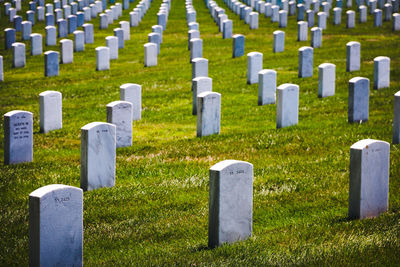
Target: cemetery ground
column 157, row 213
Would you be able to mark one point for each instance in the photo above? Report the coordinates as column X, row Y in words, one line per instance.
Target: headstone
column 79, row 41
column 67, row 11
column 98, row 155
column 30, row 16
column 67, row 51
column 292, row 8
column 192, row 34
column 302, row 31
column 36, row 44
column 301, row 12
column 208, row 113
column 200, row 85
column 56, row 226
column 388, row 12
column 363, row 14
column 238, row 45
column 306, row 55
column 50, row 110
column 287, row 105
column 80, row 19
column 62, row 28
column 110, row 16
column 274, row 13
column 326, row 80
column 199, row 67
column 325, row 8
column 369, row 178
column 221, row 19
column 283, row 18
column 266, row 87
column 227, row 29
column 162, row 20
column 12, row 13
column 102, row 58
column 353, row 56
column 337, row 16
column 26, row 30
column 396, row 22
column 268, row 10
column 40, row 11
column 321, row 18
column 396, row 119
column 377, row 18
column 118, row 32
column 49, row 19
column 87, row 14
column 358, row 100
column 316, row 37
column 18, row 137
column 381, row 72
column 193, row 26
column 9, row 37
column 196, row 48
column 51, row 63
column 51, row 35
column 58, row 14
column 254, row 66
column 124, row 25
column 253, row 20
column 112, row 44
column 88, row 29
column 372, row 6
column 279, row 41
column 230, row 202
column 351, row 19
column 155, row 38
column 19, row 56
column 119, row 113
column 150, row 54
column 18, row 23
column 132, row 93
column 103, row 21
column 133, row 19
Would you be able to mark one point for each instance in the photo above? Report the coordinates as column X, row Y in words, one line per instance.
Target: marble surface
column 19, row 57
column 102, row 58
column 266, row 87
column 51, row 36
column 358, row 107
column 238, row 45
column 369, row 178
column 254, row 66
column 98, row 155
column 119, row 113
column 316, row 37
column 353, row 56
column 51, row 63
column 208, row 113
column 67, row 51
column 200, row 85
column 199, row 67
column 112, row 44
column 132, row 93
column 381, row 72
column 306, row 59
column 18, row 137
column 287, row 105
column 50, row 106
column 150, row 54
column 56, row 226
column 196, row 48
column 36, row 44
column 230, row 202
column 326, row 79
column 302, row 31
column 79, row 41
column 279, row 41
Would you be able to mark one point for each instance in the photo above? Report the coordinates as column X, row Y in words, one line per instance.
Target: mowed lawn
column 157, row 213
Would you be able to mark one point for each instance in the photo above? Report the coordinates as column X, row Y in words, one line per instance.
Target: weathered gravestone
column 266, row 87
column 381, row 72
column 132, row 93
column 98, row 145
column 18, row 137
column 56, row 226
column 326, row 80
column 36, row 44
column 112, row 44
column 306, row 58
column 254, row 66
column 102, row 58
column 353, row 56
column 200, row 85
column 199, row 67
column 67, row 51
column 119, row 113
column 396, row 119
column 287, row 105
column 238, row 45
column 230, row 202
column 358, row 109
column 50, row 103
column 150, row 54
column 208, row 113
column 19, row 56
column 369, row 178
column 51, row 63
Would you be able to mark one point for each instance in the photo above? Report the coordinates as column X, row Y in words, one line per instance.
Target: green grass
column 157, row 213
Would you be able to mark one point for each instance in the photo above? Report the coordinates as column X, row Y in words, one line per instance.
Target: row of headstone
column 56, row 211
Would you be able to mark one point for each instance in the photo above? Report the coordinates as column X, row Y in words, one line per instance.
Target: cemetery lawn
column 157, row 213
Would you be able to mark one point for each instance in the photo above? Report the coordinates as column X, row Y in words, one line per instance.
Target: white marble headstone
column 50, row 103
column 208, row 113
column 120, row 114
